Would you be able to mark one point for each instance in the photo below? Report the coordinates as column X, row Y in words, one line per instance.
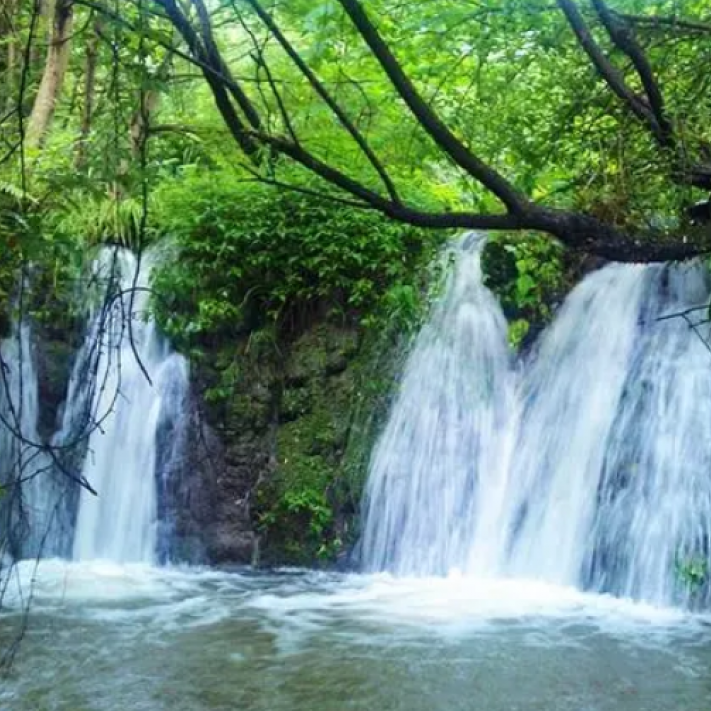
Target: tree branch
column 326, row 97
column 212, row 75
column 215, row 59
column 624, row 40
column 672, row 23
column 426, row 116
column 611, row 75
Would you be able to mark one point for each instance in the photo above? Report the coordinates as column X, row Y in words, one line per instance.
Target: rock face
column 207, row 503
column 267, row 462
column 277, row 448
column 54, row 359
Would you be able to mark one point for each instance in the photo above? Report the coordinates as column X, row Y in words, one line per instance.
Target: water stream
column 121, row 522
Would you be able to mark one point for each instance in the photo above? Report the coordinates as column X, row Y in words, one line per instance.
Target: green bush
column 50, row 260
column 529, row 274
column 248, row 255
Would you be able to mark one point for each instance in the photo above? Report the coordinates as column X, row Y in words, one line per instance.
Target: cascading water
column 570, row 394
column 653, row 522
column 33, row 504
column 445, row 436
column 588, row 465
column 121, row 523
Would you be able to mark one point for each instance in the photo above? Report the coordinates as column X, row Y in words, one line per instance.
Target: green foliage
column 249, row 255
column 529, row 275
column 46, row 264
column 307, row 517
column 103, row 220
column 692, row 571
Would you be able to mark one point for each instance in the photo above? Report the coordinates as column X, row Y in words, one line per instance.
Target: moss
column 296, row 513
column 295, row 403
column 328, row 421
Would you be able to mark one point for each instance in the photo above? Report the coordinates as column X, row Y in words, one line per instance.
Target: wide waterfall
column 121, row 523
column 586, row 464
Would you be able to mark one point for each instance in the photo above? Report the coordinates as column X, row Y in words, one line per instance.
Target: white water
column 33, row 496
column 129, row 636
column 121, row 523
column 447, row 430
column 588, row 465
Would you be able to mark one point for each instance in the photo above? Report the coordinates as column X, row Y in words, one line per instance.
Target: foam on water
column 164, row 598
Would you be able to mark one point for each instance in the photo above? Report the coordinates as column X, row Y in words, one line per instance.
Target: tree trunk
column 8, row 58
column 55, row 70
column 149, row 104
column 87, row 113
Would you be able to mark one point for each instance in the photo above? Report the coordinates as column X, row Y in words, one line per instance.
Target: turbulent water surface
column 110, row 638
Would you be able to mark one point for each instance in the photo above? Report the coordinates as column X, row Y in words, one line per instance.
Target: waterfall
column 446, row 437
column 588, row 463
column 32, row 507
column 122, row 347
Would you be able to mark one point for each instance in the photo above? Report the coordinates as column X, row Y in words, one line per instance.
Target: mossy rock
column 295, row 403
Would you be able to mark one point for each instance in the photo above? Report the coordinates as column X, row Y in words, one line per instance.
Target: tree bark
column 87, row 112
column 8, row 58
column 55, row 70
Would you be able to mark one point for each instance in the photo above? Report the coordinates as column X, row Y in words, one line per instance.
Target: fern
column 105, row 220
column 16, row 193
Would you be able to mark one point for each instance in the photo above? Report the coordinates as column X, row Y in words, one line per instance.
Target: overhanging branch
column 325, row 96
column 427, row 117
column 624, row 40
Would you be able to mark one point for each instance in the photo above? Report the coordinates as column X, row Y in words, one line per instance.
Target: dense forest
column 299, row 166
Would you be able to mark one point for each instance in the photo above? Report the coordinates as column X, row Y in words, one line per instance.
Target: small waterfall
column 588, row 465
column 32, row 505
column 445, row 439
column 570, row 392
column 121, row 523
